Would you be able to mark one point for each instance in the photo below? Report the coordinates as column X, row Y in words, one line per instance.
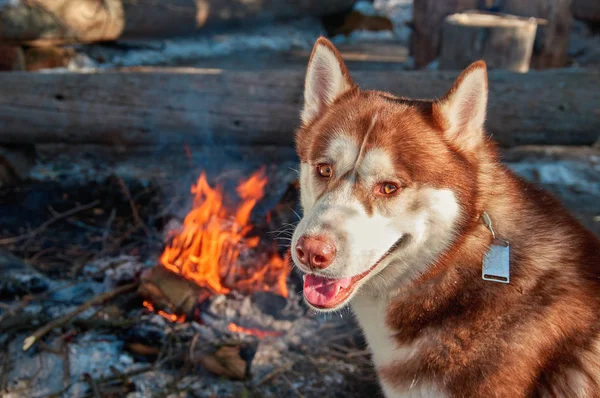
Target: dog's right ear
column 326, row 79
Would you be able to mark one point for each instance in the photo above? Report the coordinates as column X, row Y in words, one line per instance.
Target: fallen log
column 552, row 38
column 214, row 106
column 51, row 22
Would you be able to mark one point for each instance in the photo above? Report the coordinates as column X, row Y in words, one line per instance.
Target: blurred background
column 136, row 133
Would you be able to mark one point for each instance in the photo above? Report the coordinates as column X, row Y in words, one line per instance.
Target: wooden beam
column 204, row 106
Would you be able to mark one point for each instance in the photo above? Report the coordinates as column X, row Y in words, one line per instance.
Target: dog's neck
column 495, row 195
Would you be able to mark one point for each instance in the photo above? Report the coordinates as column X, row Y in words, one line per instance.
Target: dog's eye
column 387, row 188
column 325, row 170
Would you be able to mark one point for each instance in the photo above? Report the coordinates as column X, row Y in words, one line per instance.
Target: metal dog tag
column 496, row 263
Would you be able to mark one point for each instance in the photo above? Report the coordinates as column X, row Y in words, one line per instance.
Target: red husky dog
column 467, row 280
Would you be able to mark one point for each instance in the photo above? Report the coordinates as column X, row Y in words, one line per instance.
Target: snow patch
column 298, row 34
column 578, row 176
column 365, row 35
column 13, row 3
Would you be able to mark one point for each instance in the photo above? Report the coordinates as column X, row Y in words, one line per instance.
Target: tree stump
column 552, row 39
column 503, row 41
column 428, row 17
column 587, row 10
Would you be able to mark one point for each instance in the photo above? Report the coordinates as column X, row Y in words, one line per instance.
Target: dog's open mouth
column 323, row 292
column 326, row 293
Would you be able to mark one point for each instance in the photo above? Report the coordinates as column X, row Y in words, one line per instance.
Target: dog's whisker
column 297, row 215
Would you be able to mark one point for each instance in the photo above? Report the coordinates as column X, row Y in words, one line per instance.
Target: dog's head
column 386, row 183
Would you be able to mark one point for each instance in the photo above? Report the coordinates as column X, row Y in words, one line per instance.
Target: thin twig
column 41, row 332
column 106, row 233
column 79, row 264
column 76, row 223
column 33, row 259
column 192, row 355
column 124, row 380
column 66, row 363
column 275, row 372
column 103, row 380
column 90, row 380
column 136, row 216
column 47, row 348
column 292, row 386
column 58, row 217
column 99, row 323
column 132, row 373
column 4, row 369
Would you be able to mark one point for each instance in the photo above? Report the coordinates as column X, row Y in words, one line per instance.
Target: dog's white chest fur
column 371, row 314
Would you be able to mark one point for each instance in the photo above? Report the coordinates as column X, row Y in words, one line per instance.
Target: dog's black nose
column 315, row 252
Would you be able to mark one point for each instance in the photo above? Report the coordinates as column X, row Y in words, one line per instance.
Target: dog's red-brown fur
column 537, row 336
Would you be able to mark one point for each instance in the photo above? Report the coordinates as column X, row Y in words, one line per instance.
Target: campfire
column 208, row 247
column 217, row 249
column 193, row 298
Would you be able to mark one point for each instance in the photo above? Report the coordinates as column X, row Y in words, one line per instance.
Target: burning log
column 253, row 331
column 552, row 107
column 213, row 252
column 169, row 292
column 210, row 247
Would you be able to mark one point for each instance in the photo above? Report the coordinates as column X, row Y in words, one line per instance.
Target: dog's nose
column 315, row 252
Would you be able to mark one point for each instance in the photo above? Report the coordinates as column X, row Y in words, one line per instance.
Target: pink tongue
column 321, row 291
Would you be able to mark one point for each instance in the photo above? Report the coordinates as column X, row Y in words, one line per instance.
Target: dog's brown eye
column 325, row 170
column 388, row 188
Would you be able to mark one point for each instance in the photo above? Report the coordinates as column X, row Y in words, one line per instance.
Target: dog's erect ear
column 326, row 78
column 461, row 112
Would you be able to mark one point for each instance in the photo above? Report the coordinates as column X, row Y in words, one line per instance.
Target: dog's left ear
column 461, row 112
column 326, row 79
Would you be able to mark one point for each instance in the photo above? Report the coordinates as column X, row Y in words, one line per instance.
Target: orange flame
column 170, row 317
column 207, row 249
column 256, row 332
